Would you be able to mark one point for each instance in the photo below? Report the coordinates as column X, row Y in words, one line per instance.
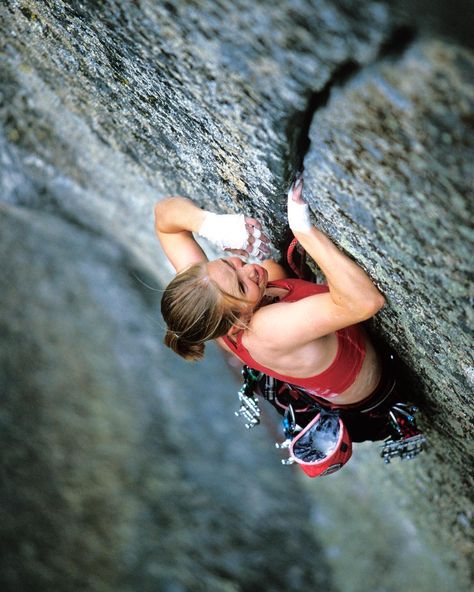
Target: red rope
column 299, row 272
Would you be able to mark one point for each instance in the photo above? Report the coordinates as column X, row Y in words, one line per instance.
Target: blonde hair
column 196, row 310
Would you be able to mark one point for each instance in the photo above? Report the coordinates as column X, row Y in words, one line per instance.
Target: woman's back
column 341, row 365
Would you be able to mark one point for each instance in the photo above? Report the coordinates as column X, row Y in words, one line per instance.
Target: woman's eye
column 242, row 287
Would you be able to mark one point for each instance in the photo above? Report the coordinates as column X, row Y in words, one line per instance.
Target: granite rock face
column 122, row 468
column 390, row 177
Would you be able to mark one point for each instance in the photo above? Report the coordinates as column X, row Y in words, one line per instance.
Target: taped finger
column 256, row 248
column 238, row 252
column 252, row 222
column 256, row 233
column 256, row 244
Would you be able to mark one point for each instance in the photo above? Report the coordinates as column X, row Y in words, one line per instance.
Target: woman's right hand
column 299, row 219
column 257, row 241
column 236, row 234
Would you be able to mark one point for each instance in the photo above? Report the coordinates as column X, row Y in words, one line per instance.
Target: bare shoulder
column 274, row 269
column 285, row 348
column 269, row 328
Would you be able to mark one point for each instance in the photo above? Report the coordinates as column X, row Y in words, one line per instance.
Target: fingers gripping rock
column 256, row 233
column 299, row 218
column 255, row 248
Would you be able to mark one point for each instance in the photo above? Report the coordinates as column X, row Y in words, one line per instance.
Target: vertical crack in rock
column 389, row 179
column 298, row 125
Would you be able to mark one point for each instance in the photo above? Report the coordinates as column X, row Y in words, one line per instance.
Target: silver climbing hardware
column 249, row 408
column 405, row 449
column 407, row 441
column 290, row 428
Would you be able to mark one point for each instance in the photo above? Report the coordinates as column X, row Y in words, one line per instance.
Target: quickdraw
column 406, row 440
column 290, row 428
column 249, row 408
column 405, row 449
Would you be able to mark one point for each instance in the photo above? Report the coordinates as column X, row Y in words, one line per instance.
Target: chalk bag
column 323, row 446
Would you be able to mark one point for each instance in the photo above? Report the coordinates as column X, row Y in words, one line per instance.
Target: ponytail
column 188, row 351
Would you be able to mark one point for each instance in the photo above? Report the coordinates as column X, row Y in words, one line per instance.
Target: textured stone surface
column 192, row 94
column 106, row 106
column 391, row 179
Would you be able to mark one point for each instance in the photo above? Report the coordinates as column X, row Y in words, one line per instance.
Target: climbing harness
column 317, row 434
column 320, row 448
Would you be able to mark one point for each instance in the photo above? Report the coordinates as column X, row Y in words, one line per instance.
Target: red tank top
column 342, row 372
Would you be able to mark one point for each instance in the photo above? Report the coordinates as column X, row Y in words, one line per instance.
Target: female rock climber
column 299, row 332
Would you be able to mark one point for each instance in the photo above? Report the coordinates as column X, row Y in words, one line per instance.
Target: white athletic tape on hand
column 298, row 214
column 255, row 248
column 227, row 231
column 256, row 232
column 256, row 254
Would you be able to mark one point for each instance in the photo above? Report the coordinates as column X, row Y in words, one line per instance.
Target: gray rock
column 389, row 177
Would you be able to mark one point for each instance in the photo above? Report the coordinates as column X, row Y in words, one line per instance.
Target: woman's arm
column 352, row 297
column 176, row 218
column 349, row 286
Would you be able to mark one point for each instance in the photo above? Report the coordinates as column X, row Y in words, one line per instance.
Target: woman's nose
column 249, row 270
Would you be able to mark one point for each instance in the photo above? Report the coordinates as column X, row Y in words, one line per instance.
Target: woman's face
column 243, row 280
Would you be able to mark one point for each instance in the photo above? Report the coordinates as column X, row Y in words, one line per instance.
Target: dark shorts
column 369, row 419
column 366, row 420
